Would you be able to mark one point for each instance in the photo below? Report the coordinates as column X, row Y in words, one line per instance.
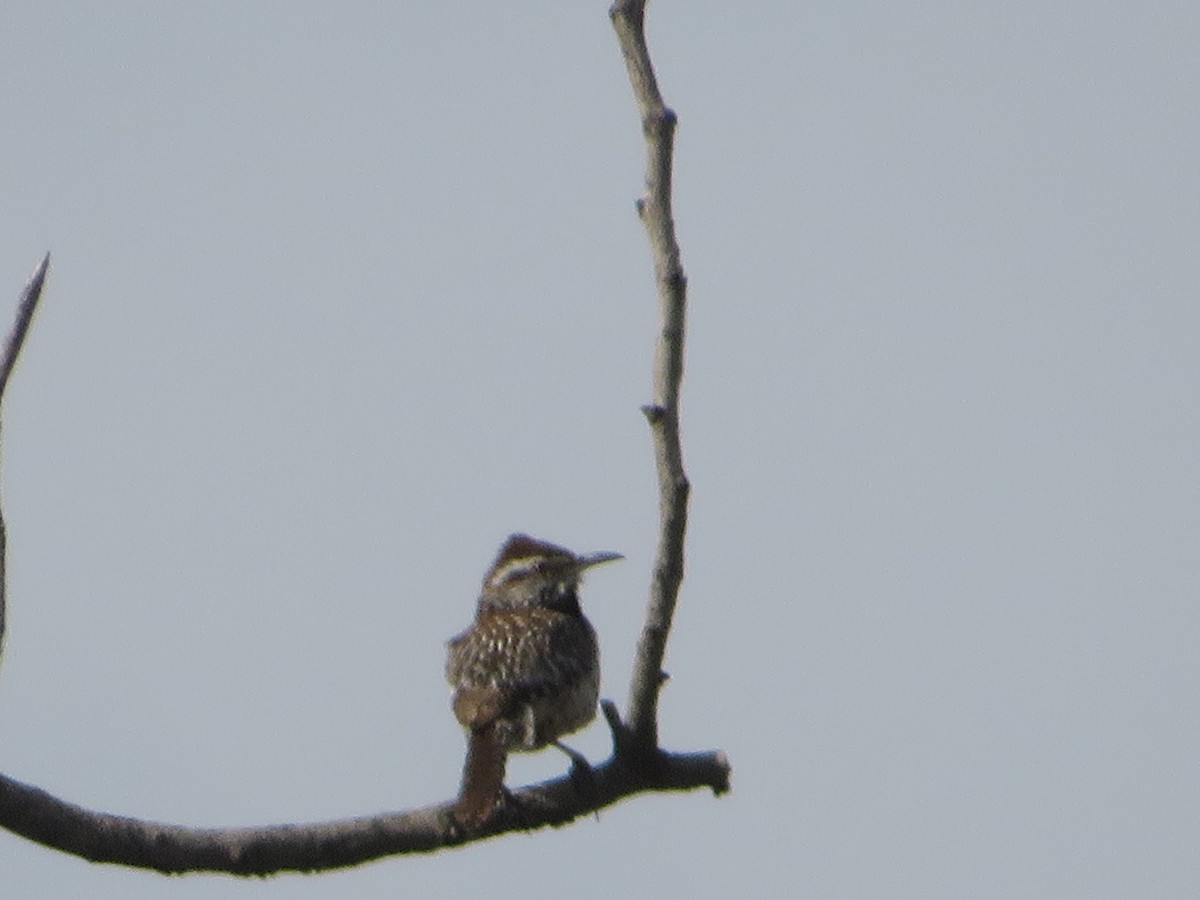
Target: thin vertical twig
column 12, row 349
column 654, row 208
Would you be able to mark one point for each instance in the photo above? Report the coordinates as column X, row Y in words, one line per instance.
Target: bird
column 526, row 671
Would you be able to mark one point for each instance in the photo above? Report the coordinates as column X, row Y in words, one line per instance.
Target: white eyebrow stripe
column 521, row 566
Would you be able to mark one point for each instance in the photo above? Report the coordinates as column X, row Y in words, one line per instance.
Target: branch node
column 654, row 413
column 620, row 732
column 660, row 123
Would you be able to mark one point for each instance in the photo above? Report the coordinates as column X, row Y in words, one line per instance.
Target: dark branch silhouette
column 317, row 846
column 637, row 764
column 658, row 126
column 12, row 349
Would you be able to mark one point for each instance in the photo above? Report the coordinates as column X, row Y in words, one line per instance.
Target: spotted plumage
column 527, row 671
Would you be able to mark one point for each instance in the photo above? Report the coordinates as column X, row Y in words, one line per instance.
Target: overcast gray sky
column 341, row 296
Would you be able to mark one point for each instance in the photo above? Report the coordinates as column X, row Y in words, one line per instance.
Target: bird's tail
column 483, row 777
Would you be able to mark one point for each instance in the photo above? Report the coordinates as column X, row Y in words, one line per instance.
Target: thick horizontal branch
column 100, row 837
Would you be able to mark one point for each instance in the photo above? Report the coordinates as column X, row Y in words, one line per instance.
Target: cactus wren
column 527, row 671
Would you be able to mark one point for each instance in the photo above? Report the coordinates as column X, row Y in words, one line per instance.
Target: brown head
column 528, row 572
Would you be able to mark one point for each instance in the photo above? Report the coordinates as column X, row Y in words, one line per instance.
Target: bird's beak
column 594, row 559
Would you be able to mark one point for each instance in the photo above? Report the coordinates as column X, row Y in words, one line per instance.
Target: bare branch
column 265, row 850
column 12, row 349
column 637, row 764
column 658, row 126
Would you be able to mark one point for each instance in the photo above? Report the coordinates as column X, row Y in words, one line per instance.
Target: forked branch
column 637, row 765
